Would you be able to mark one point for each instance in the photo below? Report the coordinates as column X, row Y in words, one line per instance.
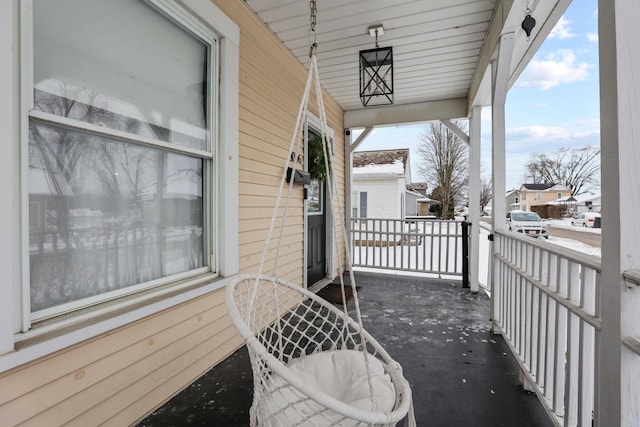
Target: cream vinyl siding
column 113, row 377
column 545, row 197
column 117, row 378
column 269, row 101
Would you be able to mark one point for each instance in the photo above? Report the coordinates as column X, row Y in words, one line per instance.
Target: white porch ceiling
column 441, row 48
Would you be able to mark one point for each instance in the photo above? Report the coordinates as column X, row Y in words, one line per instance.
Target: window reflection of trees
column 113, row 214
column 315, row 196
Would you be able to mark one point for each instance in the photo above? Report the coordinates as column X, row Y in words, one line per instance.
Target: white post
column 348, row 150
column 475, row 187
column 499, row 79
column 619, row 366
column 500, row 76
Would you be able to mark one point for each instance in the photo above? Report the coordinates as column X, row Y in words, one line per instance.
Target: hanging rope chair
column 313, row 365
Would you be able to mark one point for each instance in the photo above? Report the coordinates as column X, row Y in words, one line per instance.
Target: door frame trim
column 313, row 121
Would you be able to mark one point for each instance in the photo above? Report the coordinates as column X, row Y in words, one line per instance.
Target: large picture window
column 120, row 151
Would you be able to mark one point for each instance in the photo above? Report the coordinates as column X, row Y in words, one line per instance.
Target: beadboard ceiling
column 441, row 48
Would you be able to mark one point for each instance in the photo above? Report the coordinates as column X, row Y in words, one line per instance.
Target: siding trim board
column 27, row 350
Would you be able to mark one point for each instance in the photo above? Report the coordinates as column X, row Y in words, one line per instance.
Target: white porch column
column 474, row 195
column 499, row 76
column 348, row 149
column 499, row 84
column 619, row 365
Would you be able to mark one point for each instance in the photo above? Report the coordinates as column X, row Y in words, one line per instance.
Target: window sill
column 56, row 334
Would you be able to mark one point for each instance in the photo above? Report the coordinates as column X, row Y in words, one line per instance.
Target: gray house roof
column 382, row 162
column 418, row 187
column 537, row 187
column 380, row 157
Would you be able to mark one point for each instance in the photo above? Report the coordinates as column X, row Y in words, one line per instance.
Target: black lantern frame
column 376, row 76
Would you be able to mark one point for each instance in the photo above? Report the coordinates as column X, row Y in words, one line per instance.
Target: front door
column 316, row 211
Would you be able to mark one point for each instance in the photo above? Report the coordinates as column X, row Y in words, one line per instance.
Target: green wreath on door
column 317, row 168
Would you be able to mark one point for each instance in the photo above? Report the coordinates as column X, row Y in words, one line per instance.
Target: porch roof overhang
column 442, row 50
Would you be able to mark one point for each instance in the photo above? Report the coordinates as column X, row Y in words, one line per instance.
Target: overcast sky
column 553, row 104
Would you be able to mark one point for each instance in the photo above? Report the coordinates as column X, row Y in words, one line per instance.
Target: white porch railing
column 411, row 244
column 546, row 304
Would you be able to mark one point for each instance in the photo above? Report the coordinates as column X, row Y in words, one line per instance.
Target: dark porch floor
column 460, row 374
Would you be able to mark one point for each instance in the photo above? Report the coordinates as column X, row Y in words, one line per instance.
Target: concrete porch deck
column 460, row 374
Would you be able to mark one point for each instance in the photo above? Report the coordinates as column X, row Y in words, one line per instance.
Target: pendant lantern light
column 376, row 72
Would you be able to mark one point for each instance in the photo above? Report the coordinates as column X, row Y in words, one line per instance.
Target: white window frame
column 358, row 203
column 208, row 37
column 366, row 208
column 14, row 216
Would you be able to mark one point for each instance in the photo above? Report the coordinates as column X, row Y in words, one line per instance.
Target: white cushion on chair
column 341, row 374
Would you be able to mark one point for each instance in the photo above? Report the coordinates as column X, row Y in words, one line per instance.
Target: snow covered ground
column 573, row 244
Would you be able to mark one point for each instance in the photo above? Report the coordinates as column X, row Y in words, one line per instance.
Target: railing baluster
column 447, row 242
column 548, row 377
column 530, row 317
column 539, row 342
column 366, row 242
column 417, row 238
column 455, row 247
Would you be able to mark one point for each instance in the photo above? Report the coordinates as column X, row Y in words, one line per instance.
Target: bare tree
column 576, row 168
column 444, row 165
column 485, row 193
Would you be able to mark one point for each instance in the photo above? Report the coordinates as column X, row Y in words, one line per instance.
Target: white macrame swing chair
column 312, row 364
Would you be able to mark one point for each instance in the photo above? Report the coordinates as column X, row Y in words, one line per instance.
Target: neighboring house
column 411, row 202
column 588, row 203
column 540, row 194
column 418, row 187
column 379, row 184
column 564, row 206
column 429, row 207
column 142, row 179
column 416, row 191
column 512, row 200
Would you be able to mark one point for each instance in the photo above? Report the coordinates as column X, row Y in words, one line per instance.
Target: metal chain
column 312, row 27
column 314, row 12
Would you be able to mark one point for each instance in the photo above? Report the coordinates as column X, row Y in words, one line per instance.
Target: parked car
column 586, row 219
column 528, row 223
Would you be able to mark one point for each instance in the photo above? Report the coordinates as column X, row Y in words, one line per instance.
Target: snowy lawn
column 575, row 245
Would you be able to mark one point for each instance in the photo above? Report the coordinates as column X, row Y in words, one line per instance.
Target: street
column 587, row 238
